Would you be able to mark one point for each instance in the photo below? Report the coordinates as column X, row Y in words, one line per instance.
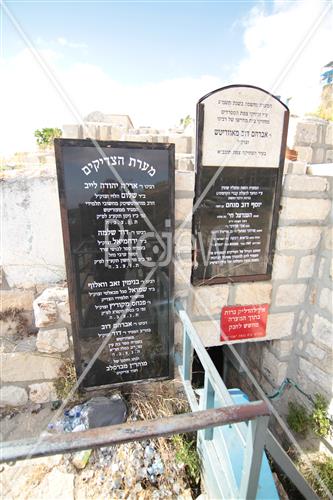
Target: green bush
column 298, row 418
column 322, row 466
column 45, row 136
column 187, row 454
column 320, row 422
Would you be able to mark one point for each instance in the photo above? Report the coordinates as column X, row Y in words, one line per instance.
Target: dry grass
column 322, row 465
column 66, row 380
column 13, row 323
column 164, row 400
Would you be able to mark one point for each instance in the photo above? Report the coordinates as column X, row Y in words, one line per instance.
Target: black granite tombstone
column 117, row 211
column 241, row 142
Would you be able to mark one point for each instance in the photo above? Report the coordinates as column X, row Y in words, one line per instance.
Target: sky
column 152, row 60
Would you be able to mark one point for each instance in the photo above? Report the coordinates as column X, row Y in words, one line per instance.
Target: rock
column 63, row 311
column 55, row 340
column 42, row 393
column 56, row 293
column 26, row 345
column 17, row 298
column 81, row 458
column 35, row 408
column 12, row 395
column 51, row 305
column 56, row 485
column 45, row 312
column 22, row 366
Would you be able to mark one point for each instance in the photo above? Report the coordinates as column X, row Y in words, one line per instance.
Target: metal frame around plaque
column 74, row 298
column 198, row 170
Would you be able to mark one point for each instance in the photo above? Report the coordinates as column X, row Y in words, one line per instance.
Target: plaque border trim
column 59, row 144
column 278, row 192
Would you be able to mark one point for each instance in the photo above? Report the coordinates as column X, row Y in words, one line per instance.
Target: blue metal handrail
column 220, row 480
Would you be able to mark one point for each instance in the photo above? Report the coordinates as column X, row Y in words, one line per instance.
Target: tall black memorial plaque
column 117, row 211
column 241, row 142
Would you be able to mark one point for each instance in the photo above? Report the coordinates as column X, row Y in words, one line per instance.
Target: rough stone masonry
column 300, row 292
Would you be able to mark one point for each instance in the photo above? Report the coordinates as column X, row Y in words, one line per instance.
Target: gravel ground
column 138, row 470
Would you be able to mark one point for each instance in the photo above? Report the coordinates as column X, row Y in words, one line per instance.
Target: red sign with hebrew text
column 243, row 322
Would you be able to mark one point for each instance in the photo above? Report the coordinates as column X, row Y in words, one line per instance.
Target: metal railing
column 219, row 477
column 218, row 474
column 211, row 413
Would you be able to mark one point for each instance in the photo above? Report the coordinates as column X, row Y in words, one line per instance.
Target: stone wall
column 313, row 140
column 32, row 249
column 300, row 293
column 102, row 131
column 299, row 324
column 302, row 286
column 32, row 357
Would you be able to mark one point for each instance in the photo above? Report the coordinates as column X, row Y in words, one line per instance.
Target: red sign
column 243, row 322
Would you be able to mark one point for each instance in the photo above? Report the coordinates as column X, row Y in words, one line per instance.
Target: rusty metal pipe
column 130, row 431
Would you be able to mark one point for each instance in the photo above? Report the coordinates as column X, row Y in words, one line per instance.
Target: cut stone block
column 329, row 134
column 55, row 340
column 12, row 395
column 253, row 293
column 306, row 266
column 183, row 209
column 305, row 153
column 318, row 377
column 305, row 209
column 318, row 155
column 42, row 393
column 326, row 300
column 323, row 332
column 24, row 366
column 183, row 241
column 16, row 298
column 282, row 348
column 273, row 369
column 280, row 325
column 290, row 295
column 306, row 133
column 315, row 352
column 282, row 266
column 298, row 238
column 209, row 300
column 306, row 183
column 297, row 167
column 71, row 131
column 184, row 181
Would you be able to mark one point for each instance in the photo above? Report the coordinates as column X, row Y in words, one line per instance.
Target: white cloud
column 72, row 45
column 273, row 40
column 30, row 101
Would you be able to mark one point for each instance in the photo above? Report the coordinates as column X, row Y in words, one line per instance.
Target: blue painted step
column 266, row 489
